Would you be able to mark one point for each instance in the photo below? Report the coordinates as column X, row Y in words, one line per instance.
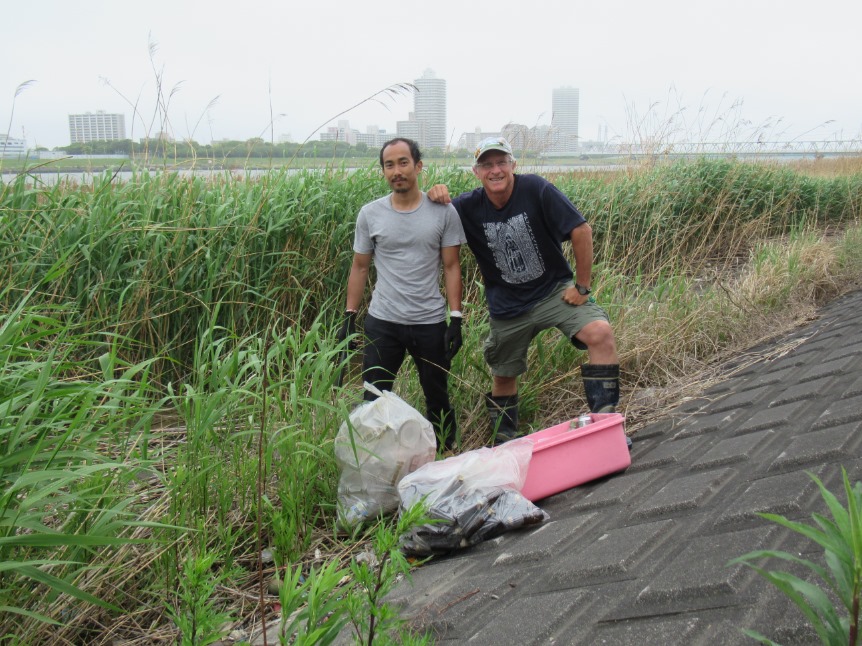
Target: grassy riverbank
column 168, row 364
column 99, row 165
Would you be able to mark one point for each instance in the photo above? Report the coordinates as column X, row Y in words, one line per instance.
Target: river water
column 51, row 178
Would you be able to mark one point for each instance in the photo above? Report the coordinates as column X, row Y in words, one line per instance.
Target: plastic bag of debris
column 471, row 498
column 383, row 441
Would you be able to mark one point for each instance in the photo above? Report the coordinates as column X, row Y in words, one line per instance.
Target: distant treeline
column 256, row 147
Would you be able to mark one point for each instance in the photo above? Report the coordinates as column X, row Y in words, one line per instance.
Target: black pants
column 386, row 345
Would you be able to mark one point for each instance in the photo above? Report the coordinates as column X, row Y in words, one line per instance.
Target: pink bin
column 565, row 456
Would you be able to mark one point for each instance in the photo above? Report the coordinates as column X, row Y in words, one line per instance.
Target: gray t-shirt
column 406, row 248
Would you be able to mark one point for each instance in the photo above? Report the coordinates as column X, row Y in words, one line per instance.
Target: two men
column 409, row 238
column 515, row 226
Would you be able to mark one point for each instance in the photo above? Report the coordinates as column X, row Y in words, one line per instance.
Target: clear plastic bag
column 388, row 440
column 472, row 497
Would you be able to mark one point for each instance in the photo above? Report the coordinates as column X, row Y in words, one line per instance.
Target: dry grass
column 757, row 306
column 829, row 167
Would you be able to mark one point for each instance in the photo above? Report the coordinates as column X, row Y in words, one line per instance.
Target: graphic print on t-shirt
column 515, row 250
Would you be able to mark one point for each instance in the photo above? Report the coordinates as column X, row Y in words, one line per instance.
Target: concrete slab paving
column 641, row 557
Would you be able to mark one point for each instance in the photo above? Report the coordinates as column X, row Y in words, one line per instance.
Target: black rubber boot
column 503, row 412
column 602, row 388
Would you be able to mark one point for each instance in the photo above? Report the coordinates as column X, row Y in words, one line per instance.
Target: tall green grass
column 159, row 256
column 679, row 216
column 169, row 393
column 71, row 434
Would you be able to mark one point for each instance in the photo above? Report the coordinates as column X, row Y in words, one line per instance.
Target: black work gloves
column 452, row 340
column 348, row 328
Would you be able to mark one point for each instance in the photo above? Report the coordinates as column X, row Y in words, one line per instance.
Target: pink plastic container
column 565, row 456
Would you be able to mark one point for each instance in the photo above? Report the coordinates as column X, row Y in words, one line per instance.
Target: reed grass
column 169, row 354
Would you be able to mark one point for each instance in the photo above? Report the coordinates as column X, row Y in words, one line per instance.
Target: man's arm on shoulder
column 439, row 193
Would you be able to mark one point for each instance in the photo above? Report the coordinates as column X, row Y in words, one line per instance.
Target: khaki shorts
column 507, row 344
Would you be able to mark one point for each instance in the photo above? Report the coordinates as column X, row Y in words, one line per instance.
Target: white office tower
column 96, row 127
column 564, row 120
column 429, row 109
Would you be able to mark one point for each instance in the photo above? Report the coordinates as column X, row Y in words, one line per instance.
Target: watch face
column 583, row 291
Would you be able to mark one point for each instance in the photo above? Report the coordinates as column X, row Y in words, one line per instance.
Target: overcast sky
column 717, row 71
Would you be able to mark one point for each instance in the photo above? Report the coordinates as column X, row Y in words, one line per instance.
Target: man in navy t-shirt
column 515, row 226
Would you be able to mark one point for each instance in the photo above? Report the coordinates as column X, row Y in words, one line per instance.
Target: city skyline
column 561, row 136
column 426, row 124
column 206, row 71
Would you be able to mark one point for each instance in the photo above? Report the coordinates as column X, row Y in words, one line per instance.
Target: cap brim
column 492, row 149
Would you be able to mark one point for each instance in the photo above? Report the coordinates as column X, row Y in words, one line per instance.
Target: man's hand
column 348, row 328
column 452, row 340
column 440, row 194
column 573, row 297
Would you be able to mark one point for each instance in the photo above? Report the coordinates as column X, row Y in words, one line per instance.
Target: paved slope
column 640, row 557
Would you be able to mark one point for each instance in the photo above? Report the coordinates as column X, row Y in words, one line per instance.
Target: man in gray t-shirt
column 409, row 238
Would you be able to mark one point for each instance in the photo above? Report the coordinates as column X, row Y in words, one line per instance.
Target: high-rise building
column 373, row 137
column 470, row 140
column 98, row 126
column 342, row 133
column 518, row 135
column 524, row 139
column 429, row 112
column 412, row 129
column 564, row 119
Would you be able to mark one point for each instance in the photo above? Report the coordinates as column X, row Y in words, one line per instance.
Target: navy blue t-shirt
column 519, row 247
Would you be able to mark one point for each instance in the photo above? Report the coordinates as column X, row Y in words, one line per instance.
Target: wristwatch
column 583, row 291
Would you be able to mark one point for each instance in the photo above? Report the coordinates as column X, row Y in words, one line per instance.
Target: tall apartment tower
column 429, row 109
column 564, row 119
column 98, row 126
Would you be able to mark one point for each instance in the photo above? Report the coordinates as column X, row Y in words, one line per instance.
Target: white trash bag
column 390, row 439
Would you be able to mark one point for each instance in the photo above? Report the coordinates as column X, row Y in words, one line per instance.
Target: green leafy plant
column 841, row 540
column 375, row 576
column 313, row 610
column 197, row 614
column 62, row 498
